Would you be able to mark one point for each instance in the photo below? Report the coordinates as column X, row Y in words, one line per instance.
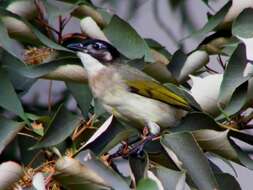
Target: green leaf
column 43, row 38
column 5, row 41
column 242, row 26
column 193, row 159
column 76, row 176
column 35, row 71
column 147, row 184
column 114, row 133
column 189, row 124
column 82, row 95
column 233, row 75
column 213, row 21
column 139, row 165
column 170, row 179
column 61, row 127
column 238, row 100
column 54, row 10
column 8, row 97
column 243, row 156
column 158, row 47
column 177, row 62
column 112, row 179
column 8, row 131
column 227, row 181
column 127, row 40
column 216, row 142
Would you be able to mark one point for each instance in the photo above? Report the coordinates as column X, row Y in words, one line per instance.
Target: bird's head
column 99, row 49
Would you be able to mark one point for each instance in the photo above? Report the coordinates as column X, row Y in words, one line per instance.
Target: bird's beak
column 76, row 47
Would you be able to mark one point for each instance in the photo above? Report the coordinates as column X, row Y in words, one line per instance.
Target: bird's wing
column 143, row 84
column 154, row 90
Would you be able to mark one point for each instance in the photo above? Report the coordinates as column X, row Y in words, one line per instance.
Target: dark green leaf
column 139, row 165
column 88, row 159
column 8, row 97
column 76, row 176
column 196, row 121
column 43, row 38
column 214, row 21
column 8, row 131
column 243, row 156
column 5, row 40
column 242, row 26
column 62, row 126
column 35, row 71
column 233, row 75
column 177, row 62
column 82, row 95
column 54, row 9
column 170, row 179
column 238, row 100
column 216, row 142
column 114, row 134
column 127, row 40
column 193, row 159
column 227, row 181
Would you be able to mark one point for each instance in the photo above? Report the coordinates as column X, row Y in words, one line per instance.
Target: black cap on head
column 99, row 49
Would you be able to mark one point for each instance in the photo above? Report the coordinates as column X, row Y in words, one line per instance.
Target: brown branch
column 211, row 70
column 220, row 61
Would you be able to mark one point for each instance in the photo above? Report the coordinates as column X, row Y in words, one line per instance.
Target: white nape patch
column 91, row 65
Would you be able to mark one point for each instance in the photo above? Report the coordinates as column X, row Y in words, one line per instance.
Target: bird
column 127, row 92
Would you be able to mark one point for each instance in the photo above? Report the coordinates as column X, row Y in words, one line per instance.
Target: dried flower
column 36, row 56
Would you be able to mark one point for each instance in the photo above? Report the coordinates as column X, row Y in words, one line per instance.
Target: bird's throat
column 91, row 65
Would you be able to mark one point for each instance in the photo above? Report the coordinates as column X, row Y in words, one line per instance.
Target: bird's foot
column 146, row 137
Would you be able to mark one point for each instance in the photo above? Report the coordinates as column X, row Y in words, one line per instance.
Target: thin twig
column 211, row 70
column 221, row 62
column 88, row 124
column 28, row 135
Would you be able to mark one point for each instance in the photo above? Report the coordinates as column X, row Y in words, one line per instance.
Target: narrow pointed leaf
column 62, row 126
column 242, row 26
column 8, row 97
column 127, row 40
column 8, row 131
column 139, row 165
column 88, row 159
column 82, row 95
column 233, row 75
column 170, row 179
column 193, row 159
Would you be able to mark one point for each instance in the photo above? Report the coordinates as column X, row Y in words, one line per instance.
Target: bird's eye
column 97, row 46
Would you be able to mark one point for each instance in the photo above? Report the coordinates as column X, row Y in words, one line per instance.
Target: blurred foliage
column 62, row 148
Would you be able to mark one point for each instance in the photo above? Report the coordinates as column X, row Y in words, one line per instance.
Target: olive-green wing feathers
column 143, row 84
column 154, row 90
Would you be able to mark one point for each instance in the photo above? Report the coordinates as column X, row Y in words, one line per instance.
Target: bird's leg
column 149, row 132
